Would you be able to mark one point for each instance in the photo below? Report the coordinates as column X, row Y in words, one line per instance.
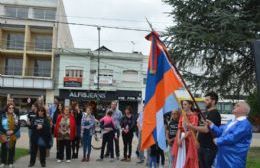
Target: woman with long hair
column 58, row 112
column 10, row 132
column 77, row 114
column 65, row 130
column 185, row 144
column 87, row 130
column 41, row 137
column 128, row 124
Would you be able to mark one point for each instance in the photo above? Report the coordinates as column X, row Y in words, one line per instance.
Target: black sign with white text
column 101, row 95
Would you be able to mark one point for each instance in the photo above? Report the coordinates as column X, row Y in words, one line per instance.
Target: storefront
column 23, row 98
column 103, row 98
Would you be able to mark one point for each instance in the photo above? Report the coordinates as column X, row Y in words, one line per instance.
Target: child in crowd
column 108, row 126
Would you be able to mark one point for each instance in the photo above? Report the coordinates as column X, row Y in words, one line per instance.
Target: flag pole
column 184, row 83
column 178, row 73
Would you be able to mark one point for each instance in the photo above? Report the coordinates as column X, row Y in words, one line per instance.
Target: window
column 17, row 12
column 13, row 66
column 43, row 43
column 144, row 81
column 130, row 76
column 75, row 73
column 42, row 68
column 105, row 77
column 45, row 14
column 15, row 41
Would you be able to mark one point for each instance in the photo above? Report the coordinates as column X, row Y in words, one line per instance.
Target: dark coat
column 44, row 133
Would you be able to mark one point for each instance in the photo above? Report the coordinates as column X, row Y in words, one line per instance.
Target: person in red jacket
column 65, row 131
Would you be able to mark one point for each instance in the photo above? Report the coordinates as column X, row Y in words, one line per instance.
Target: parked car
column 23, row 120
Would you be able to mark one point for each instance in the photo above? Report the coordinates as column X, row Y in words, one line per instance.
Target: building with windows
column 121, row 77
column 30, row 33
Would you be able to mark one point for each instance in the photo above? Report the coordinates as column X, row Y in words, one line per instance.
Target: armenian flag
column 162, row 82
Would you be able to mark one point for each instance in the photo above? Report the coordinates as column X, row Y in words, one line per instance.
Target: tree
column 211, row 41
column 253, row 101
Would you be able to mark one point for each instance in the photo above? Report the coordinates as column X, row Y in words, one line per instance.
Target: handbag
column 3, row 138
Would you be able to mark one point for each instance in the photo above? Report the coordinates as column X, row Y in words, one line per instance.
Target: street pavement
column 23, row 142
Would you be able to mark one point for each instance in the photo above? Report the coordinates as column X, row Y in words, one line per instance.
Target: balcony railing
column 31, row 46
column 36, row 72
column 13, row 45
column 15, row 71
column 39, row 46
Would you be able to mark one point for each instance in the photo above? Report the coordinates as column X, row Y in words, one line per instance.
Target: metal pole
column 257, row 65
column 182, row 80
column 98, row 28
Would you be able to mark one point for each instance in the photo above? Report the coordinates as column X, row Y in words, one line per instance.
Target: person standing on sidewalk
column 65, row 131
column 139, row 125
column 108, row 126
column 41, row 137
column 185, row 144
column 31, row 116
column 10, row 132
column 208, row 150
column 87, row 130
column 171, row 131
column 53, row 107
column 117, row 117
column 77, row 114
column 128, row 124
column 58, row 112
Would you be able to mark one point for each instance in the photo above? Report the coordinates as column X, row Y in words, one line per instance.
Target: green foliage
column 215, row 37
column 253, row 158
column 254, row 102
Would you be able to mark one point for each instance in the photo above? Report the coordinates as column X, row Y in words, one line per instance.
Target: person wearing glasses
column 10, row 132
column 41, row 136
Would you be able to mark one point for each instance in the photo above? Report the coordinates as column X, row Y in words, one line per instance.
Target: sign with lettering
column 72, row 82
column 88, row 95
column 101, row 95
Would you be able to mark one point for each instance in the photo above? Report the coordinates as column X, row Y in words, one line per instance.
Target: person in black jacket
column 31, row 116
column 128, row 124
column 10, row 132
column 76, row 142
column 41, row 136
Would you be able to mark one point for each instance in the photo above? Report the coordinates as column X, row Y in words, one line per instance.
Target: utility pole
column 98, row 28
column 257, row 65
column 97, row 105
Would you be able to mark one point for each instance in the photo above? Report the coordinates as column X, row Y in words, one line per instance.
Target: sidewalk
column 51, row 161
column 23, row 142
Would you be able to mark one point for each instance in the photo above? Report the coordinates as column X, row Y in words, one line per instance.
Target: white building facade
column 121, row 77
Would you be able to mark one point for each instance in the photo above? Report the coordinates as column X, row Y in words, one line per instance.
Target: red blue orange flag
column 162, row 82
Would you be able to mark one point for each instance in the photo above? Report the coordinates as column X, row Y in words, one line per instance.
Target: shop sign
column 72, row 82
column 87, row 95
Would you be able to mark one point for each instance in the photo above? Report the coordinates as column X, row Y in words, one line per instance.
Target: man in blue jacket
column 233, row 139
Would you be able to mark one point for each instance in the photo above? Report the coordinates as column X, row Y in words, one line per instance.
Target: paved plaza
column 51, row 161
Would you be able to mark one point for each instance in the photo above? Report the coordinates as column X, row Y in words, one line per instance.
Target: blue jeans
column 86, row 141
column 153, row 162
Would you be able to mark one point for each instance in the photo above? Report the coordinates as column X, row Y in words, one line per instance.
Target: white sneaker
column 58, row 161
column 11, row 165
column 67, row 161
column 2, row 165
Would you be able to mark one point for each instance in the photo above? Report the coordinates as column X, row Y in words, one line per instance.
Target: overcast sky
column 120, row 13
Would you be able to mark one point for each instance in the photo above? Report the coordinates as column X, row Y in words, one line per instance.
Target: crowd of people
column 191, row 143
